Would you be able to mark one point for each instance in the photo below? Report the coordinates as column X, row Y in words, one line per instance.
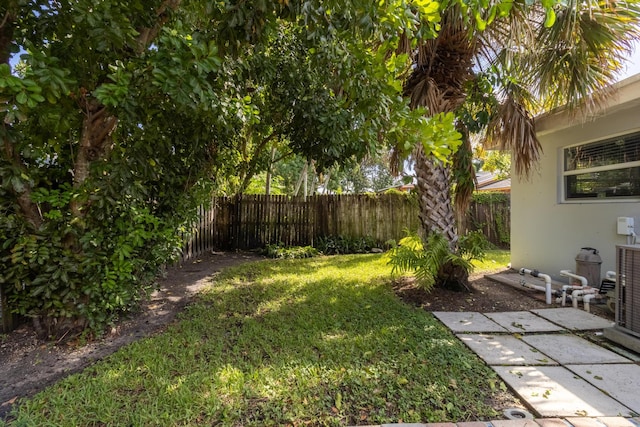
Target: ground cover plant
column 318, row 341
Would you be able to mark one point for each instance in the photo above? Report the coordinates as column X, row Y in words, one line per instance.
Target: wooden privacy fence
column 254, row 221
column 492, row 216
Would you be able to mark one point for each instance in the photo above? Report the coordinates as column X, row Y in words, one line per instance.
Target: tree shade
column 121, row 117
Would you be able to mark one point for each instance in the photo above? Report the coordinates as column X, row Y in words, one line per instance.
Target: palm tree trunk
column 434, row 194
column 437, row 215
column 442, row 69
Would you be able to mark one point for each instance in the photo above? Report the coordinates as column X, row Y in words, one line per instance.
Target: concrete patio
column 557, row 363
column 554, row 360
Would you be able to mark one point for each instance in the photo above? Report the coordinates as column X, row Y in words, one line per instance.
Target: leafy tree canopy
column 121, row 117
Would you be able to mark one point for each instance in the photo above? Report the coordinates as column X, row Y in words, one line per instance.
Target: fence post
column 235, row 222
column 249, row 222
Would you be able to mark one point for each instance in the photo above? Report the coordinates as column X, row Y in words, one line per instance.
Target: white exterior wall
column 547, row 233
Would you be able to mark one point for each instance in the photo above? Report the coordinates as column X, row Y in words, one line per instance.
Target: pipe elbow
column 545, row 277
column 569, row 273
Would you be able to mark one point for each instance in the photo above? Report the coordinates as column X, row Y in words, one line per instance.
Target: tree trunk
column 267, row 189
column 434, row 195
column 22, row 193
column 437, row 215
column 95, row 143
column 443, row 66
column 7, row 26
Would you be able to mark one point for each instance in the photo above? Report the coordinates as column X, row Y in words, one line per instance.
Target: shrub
column 427, row 258
column 341, row 245
column 290, row 252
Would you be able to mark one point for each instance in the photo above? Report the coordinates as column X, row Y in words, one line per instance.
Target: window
column 607, row 169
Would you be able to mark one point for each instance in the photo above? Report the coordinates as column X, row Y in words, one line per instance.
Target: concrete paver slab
column 460, row 322
column 472, row 424
column 584, row 422
column 523, row 321
column 504, row 350
column 515, row 279
column 514, row 423
column 616, row 422
column 622, row 382
column 573, row 318
column 566, row 348
column 552, row 422
column 553, row 391
column 404, row 425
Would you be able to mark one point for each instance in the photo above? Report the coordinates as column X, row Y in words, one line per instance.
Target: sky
column 633, row 65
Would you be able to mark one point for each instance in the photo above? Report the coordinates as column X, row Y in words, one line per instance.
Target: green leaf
column 481, row 24
column 550, row 19
column 22, row 98
column 338, row 400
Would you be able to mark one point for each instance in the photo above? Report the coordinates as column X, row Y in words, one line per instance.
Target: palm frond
column 583, row 52
column 513, row 128
column 442, row 66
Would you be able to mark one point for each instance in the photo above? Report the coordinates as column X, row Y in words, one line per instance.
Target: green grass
column 495, row 260
column 320, row 341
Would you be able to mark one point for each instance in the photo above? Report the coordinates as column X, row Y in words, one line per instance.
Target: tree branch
column 23, row 198
column 250, row 170
column 6, row 35
column 147, row 35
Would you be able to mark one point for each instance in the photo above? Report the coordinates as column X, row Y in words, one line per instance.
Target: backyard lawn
column 319, row 341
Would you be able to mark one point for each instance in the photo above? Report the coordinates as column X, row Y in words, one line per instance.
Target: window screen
column 604, row 169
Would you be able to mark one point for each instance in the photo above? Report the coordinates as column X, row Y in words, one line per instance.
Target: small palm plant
column 433, row 260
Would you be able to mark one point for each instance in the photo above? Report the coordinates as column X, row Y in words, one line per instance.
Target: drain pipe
column 583, row 283
column 569, row 273
column 586, row 300
column 547, row 281
column 587, row 295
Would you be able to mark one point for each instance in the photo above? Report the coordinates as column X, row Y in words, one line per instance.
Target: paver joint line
column 587, row 379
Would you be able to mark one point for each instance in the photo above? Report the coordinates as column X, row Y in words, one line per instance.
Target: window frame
column 562, row 181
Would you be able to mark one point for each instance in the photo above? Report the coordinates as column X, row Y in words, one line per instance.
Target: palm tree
column 537, row 58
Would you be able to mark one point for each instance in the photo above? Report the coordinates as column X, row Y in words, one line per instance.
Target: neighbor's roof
column 488, row 181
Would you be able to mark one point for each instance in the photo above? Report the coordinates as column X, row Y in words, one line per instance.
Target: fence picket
column 251, row 222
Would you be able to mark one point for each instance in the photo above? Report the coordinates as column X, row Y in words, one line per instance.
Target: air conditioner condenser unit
column 626, row 330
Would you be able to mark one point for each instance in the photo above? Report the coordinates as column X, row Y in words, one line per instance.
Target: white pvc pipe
column 573, row 289
column 587, row 299
column 545, row 277
column 564, row 293
column 568, row 273
column 588, row 292
column 574, row 297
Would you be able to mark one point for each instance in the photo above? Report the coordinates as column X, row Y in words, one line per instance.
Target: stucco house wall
column 548, row 231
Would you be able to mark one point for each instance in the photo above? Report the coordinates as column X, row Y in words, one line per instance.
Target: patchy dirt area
column 486, row 296
column 28, row 365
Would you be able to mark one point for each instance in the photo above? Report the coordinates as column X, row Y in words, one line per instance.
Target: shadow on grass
column 321, row 342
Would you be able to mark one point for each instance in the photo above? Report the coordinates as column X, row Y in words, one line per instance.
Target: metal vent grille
column 628, row 300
